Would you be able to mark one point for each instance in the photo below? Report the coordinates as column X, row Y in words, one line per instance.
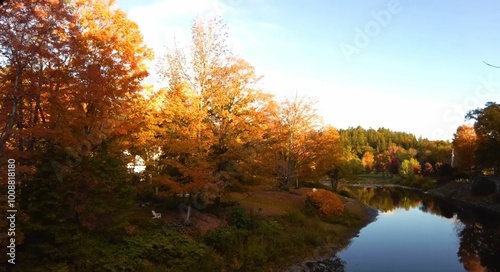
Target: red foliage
column 417, row 169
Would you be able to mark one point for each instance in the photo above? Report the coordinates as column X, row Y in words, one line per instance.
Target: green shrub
column 296, row 218
column 157, row 250
column 239, row 218
column 313, row 239
column 220, row 238
column 240, row 248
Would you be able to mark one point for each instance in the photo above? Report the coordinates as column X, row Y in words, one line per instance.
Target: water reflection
column 478, row 231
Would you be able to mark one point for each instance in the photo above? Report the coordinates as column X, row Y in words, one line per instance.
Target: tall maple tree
column 295, row 122
column 210, row 116
column 487, row 128
column 70, row 80
column 71, row 71
column 327, row 155
column 464, row 147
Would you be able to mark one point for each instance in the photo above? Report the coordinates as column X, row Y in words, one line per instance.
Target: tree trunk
column 188, row 216
column 335, row 183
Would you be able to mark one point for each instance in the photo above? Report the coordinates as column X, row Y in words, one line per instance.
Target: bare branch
column 491, row 65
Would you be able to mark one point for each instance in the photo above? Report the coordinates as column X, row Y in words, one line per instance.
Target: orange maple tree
column 464, row 145
column 70, row 79
column 71, row 71
column 368, row 161
column 206, row 124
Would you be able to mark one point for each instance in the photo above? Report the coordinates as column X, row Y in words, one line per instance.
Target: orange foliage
column 465, row 144
column 367, row 161
column 328, row 202
column 208, row 121
column 70, row 74
column 325, row 152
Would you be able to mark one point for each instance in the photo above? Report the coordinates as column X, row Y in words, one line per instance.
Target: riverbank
column 325, row 258
column 323, row 240
column 252, row 228
column 458, row 191
column 461, row 192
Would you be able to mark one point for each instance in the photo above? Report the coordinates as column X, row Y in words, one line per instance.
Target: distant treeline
column 358, row 141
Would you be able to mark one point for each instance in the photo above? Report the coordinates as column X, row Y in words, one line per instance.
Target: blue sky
column 406, row 65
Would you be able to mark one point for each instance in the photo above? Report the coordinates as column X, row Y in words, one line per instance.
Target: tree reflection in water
column 479, row 234
column 478, row 230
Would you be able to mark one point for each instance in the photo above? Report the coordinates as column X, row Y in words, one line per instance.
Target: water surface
column 417, row 232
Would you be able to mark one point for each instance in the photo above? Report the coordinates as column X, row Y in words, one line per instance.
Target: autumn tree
column 393, row 165
column 70, row 72
column 212, row 116
column 409, row 167
column 174, row 141
column 381, row 162
column 368, row 161
column 297, row 119
column 325, row 156
column 427, row 169
column 70, row 75
column 464, row 146
column 487, row 128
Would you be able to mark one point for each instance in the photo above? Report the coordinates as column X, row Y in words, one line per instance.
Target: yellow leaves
column 327, row 150
column 367, row 161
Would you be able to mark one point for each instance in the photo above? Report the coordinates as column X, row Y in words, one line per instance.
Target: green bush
column 239, row 218
column 296, row 218
column 312, row 239
column 241, row 249
column 220, row 238
column 268, row 241
column 157, row 250
column 273, row 240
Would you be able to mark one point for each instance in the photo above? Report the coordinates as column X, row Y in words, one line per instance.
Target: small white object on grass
column 156, row 215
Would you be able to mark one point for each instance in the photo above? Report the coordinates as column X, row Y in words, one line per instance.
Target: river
column 418, row 232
